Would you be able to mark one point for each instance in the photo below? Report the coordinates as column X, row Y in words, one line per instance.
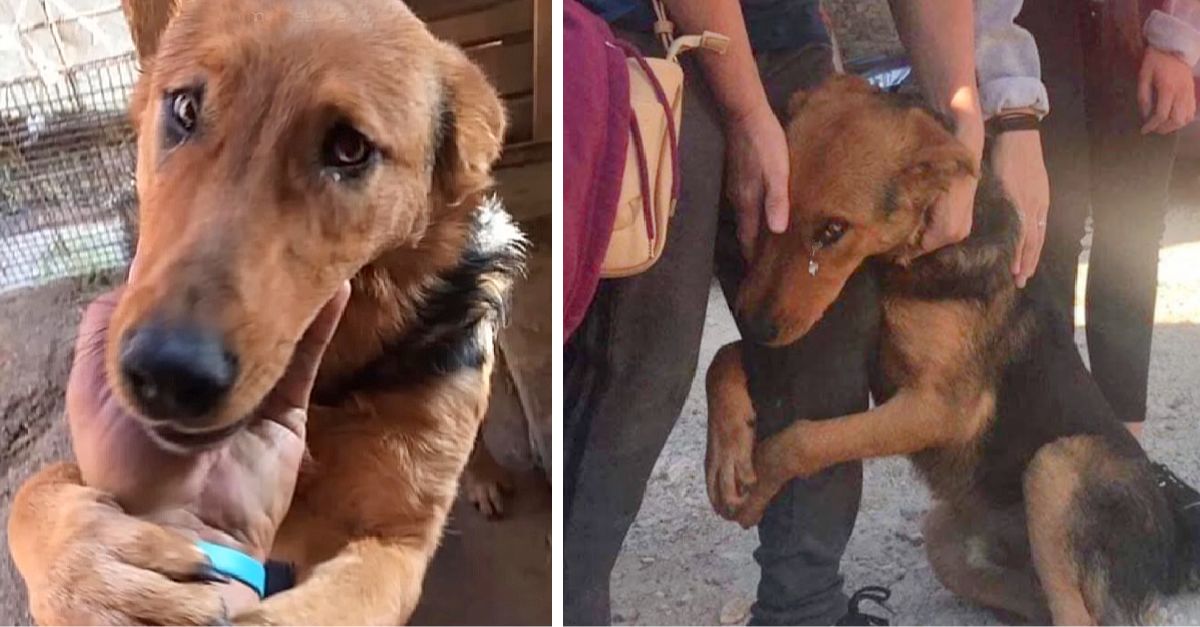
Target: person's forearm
column 1175, row 28
column 733, row 76
column 1007, row 61
column 940, row 38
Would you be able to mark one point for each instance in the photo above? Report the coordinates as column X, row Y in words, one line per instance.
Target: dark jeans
column 1100, row 164
column 629, row 367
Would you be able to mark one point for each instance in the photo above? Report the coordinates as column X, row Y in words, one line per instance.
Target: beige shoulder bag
column 650, row 187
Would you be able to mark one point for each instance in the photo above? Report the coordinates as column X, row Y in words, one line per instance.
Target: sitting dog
column 1046, row 507
column 283, row 148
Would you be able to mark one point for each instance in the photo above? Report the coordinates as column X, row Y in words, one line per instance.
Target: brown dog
column 1046, row 506
column 285, row 147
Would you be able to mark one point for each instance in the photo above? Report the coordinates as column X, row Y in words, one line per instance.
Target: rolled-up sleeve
column 1176, row 29
column 1006, row 60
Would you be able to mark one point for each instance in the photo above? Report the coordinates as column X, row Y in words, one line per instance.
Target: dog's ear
column 936, row 157
column 471, row 132
column 147, row 20
column 797, row 101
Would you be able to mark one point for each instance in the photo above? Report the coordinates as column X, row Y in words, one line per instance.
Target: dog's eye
column 183, row 114
column 184, row 108
column 831, row 233
column 347, row 150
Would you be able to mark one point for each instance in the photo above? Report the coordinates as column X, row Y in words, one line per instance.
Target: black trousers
column 1101, row 165
column 629, row 367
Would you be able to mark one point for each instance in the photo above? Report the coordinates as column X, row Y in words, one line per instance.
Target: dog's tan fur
column 218, row 229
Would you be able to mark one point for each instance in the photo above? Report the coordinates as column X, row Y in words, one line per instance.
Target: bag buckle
column 707, row 40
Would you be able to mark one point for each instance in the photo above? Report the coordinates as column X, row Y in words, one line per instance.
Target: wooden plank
column 520, row 119
column 543, row 72
column 490, row 24
column 522, row 153
column 525, row 190
column 434, row 10
column 510, row 66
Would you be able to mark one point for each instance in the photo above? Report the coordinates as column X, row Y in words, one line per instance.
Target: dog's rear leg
column 959, row 550
column 1051, row 484
column 485, row 481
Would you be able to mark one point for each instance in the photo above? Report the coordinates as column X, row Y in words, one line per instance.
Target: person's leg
column 1131, row 176
column 805, row 530
column 629, row 367
column 1065, row 148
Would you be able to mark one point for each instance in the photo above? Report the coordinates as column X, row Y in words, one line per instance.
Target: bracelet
column 1012, row 122
column 237, row 565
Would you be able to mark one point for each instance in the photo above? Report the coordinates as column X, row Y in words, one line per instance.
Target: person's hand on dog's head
column 951, row 217
column 237, row 493
column 756, row 174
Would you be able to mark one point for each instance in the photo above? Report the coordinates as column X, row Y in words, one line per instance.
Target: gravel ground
column 682, row 564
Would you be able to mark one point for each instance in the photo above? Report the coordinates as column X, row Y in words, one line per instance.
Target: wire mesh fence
column 67, row 196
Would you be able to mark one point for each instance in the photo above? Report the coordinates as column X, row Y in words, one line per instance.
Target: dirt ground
column 683, row 565
column 505, row 564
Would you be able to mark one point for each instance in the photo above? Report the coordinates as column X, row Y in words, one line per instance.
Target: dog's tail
column 1184, row 503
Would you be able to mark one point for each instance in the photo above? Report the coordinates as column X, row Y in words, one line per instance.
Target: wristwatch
column 1015, row 121
column 264, row 578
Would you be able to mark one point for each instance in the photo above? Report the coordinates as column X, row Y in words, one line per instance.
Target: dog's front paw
column 729, row 462
column 86, row 562
column 751, row 510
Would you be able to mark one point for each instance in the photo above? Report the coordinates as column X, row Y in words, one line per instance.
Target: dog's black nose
column 176, row 373
column 760, row 329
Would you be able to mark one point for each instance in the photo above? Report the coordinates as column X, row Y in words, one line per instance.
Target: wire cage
column 67, row 193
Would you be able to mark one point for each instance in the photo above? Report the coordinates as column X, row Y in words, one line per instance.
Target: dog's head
column 865, row 168
column 281, row 147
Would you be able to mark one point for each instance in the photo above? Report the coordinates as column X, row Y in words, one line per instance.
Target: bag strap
column 673, row 140
column 663, row 27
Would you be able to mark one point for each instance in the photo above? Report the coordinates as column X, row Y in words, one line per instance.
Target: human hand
column 756, row 174
column 951, row 216
column 1166, row 92
column 1018, row 164
column 235, row 493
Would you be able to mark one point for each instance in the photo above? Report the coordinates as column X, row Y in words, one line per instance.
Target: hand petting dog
column 951, row 216
column 236, row 494
column 756, row 179
column 1018, row 164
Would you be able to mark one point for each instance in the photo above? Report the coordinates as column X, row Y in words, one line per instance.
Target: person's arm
column 1007, row 61
column 1166, row 91
column 1010, row 71
column 733, row 76
column 1176, row 29
column 940, row 38
column 756, row 149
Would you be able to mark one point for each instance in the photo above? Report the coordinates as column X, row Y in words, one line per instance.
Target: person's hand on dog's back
column 235, row 495
column 1017, row 161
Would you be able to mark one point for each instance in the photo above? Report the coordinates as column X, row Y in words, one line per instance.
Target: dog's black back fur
column 458, row 314
column 1045, row 393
